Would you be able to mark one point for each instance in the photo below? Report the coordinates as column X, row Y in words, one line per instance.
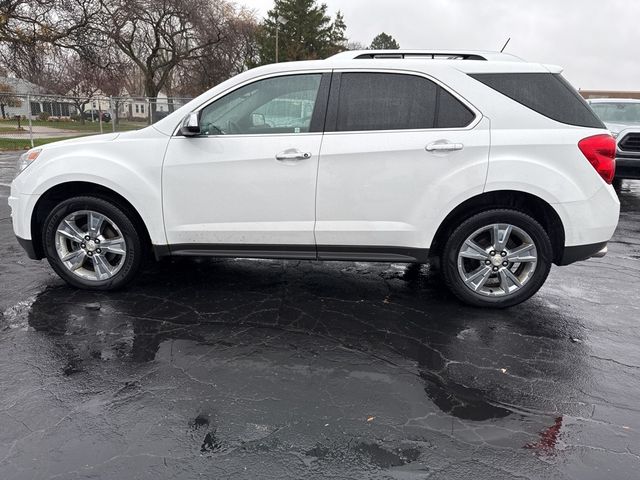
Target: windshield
column 625, row 113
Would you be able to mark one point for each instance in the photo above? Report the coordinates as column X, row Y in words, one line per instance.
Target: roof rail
column 427, row 54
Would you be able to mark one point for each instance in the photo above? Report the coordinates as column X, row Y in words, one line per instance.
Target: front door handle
column 444, row 147
column 292, row 155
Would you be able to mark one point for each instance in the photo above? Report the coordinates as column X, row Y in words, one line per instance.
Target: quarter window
column 546, row 93
column 390, row 101
column 274, row 105
column 451, row 112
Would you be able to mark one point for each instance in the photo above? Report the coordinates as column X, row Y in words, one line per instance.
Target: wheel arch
column 524, row 202
column 63, row 191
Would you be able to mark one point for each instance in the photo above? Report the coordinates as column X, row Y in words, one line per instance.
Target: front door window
column 273, row 106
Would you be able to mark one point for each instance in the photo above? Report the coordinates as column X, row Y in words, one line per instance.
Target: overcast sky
column 596, row 41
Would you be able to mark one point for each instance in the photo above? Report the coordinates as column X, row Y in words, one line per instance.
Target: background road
column 283, row 369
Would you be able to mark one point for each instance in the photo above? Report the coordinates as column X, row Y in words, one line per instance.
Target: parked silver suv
column 622, row 118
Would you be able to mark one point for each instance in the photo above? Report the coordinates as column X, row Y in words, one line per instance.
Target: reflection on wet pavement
column 283, row 369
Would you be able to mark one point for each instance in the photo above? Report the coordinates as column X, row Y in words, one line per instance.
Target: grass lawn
column 7, row 126
column 6, row 129
column 25, row 144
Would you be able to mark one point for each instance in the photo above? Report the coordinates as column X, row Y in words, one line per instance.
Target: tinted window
column 389, row 101
column 382, row 101
column 275, row 105
column 546, row 93
column 451, row 112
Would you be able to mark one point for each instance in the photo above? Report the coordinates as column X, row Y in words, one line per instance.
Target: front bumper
column 627, row 154
column 17, row 205
column 628, row 165
column 21, row 209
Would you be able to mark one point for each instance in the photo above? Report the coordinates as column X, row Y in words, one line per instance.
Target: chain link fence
column 28, row 120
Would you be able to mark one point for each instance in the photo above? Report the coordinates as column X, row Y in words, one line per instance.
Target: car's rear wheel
column 92, row 243
column 497, row 258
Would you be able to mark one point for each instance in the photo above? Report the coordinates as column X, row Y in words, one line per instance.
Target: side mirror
column 190, row 125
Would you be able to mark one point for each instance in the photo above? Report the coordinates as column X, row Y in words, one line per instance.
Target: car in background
column 94, row 116
column 622, row 118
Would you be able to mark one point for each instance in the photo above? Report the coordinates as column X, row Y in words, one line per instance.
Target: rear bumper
column 27, row 245
column 589, row 225
column 583, row 252
column 592, row 221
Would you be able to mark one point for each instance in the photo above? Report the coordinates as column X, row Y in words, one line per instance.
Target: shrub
column 44, row 116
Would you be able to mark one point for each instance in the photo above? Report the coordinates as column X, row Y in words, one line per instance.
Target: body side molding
column 297, row 252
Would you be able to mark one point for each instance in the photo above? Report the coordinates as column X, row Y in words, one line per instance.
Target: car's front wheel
column 92, row 243
column 497, row 258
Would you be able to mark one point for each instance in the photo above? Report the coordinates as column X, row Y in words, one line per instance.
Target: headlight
column 27, row 159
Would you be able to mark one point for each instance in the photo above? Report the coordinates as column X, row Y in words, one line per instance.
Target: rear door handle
column 444, row 147
column 292, row 154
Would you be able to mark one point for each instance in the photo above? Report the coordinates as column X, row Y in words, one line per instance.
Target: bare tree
column 74, row 47
column 60, row 22
column 29, row 61
column 80, row 85
column 81, row 80
column 237, row 50
column 355, row 45
column 159, row 35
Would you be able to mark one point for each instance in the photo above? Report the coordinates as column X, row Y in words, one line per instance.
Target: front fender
column 131, row 168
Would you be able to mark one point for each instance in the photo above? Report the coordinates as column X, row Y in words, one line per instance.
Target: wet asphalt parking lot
column 293, row 369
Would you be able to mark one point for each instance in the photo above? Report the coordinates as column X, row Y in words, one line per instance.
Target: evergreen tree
column 338, row 37
column 309, row 33
column 384, row 42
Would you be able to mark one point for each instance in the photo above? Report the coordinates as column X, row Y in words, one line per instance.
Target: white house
column 139, row 107
column 39, row 100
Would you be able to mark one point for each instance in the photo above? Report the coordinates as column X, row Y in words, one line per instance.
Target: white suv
column 493, row 167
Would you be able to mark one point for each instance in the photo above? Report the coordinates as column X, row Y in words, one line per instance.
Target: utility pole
column 113, row 113
column 29, row 117
column 280, row 20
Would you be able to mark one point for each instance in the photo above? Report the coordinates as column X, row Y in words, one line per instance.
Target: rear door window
column 389, row 101
column 546, row 93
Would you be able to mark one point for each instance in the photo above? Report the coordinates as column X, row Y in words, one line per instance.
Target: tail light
column 600, row 150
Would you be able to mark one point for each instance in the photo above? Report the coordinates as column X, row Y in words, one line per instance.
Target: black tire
column 617, row 184
column 134, row 245
column 449, row 258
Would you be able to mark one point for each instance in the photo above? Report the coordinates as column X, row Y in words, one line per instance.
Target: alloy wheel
column 90, row 245
column 497, row 260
